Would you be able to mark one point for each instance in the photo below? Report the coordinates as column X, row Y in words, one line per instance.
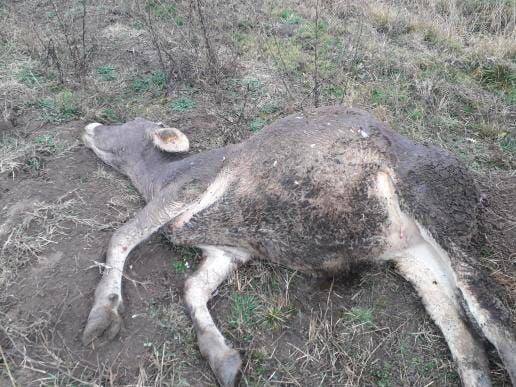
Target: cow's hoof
column 104, row 321
column 227, row 369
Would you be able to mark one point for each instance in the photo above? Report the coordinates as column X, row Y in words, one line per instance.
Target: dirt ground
column 438, row 71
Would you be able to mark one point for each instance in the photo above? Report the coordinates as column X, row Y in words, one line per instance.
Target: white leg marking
column 427, row 266
column 422, row 266
column 502, row 337
column 220, row 262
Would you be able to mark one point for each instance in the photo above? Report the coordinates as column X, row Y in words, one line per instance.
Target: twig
column 83, row 38
column 107, row 267
column 316, row 65
column 13, row 382
column 213, row 61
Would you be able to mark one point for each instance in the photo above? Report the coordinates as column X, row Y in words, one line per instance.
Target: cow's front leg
column 104, row 320
column 220, row 262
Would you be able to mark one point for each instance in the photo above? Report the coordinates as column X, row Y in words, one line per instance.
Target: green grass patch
column 243, row 310
column 309, row 34
column 257, row 124
column 360, row 315
column 252, row 84
column 290, row 17
column 106, row 73
column 383, row 375
column 187, row 259
column 287, row 56
column 30, row 76
column 183, row 104
column 109, row 115
column 64, row 107
column 416, row 114
column 425, row 367
column 245, row 42
column 497, row 76
column 164, row 11
column 445, row 122
column 508, row 144
column 155, row 81
column 390, row 95
column 48, row 143
column 34, row 164
column 160, row 9
column 270, row 108
column 334, row 91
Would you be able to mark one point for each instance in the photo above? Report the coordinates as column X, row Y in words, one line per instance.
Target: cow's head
column 124, row 145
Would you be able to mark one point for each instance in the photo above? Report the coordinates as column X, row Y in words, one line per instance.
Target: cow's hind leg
column 488, row 311
column 219, row 263
column 430, row 272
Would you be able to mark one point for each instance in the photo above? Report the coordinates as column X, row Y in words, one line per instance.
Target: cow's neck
column 150, row 175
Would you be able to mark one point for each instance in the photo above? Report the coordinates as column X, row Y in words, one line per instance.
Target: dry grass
column 441, row 71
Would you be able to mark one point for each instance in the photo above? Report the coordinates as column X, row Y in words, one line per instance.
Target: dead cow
column 318, row 192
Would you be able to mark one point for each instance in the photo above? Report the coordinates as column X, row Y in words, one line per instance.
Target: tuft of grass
column 160, row 9
column 48, row 143
column 30, row 76
column 390, row 95
column 155, row 81
column 488, row 130
column 64, row 107
column 385, row 21
column 436, row 38
column 181, row 266
column 383, row 375
column 163, row 11
column 252, row 84
column 416, row 114
column 243, row 310
column 287, row 56
column 334, row 91
column 187, row 259
column 257, row 124
column 508, row 144
column 183, row 104
column 425, row 367
column 270, row 108
column 277, row 315
column 290, row 17
column 108, row 116
column 360, row 315
column 497, row 76
column 106, row 73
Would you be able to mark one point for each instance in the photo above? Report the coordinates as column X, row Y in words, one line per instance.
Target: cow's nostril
column 91, row 127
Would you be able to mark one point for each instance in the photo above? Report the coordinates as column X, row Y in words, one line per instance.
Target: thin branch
column 213, row 61
column 316, row 64
column 11, row 378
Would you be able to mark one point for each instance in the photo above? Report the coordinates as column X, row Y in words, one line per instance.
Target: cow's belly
column 291, row 235
column 302, row 237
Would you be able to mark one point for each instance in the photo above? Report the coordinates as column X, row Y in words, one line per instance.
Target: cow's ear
column 170, row 140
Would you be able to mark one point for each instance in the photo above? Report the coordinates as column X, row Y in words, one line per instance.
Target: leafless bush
column 63, row 39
